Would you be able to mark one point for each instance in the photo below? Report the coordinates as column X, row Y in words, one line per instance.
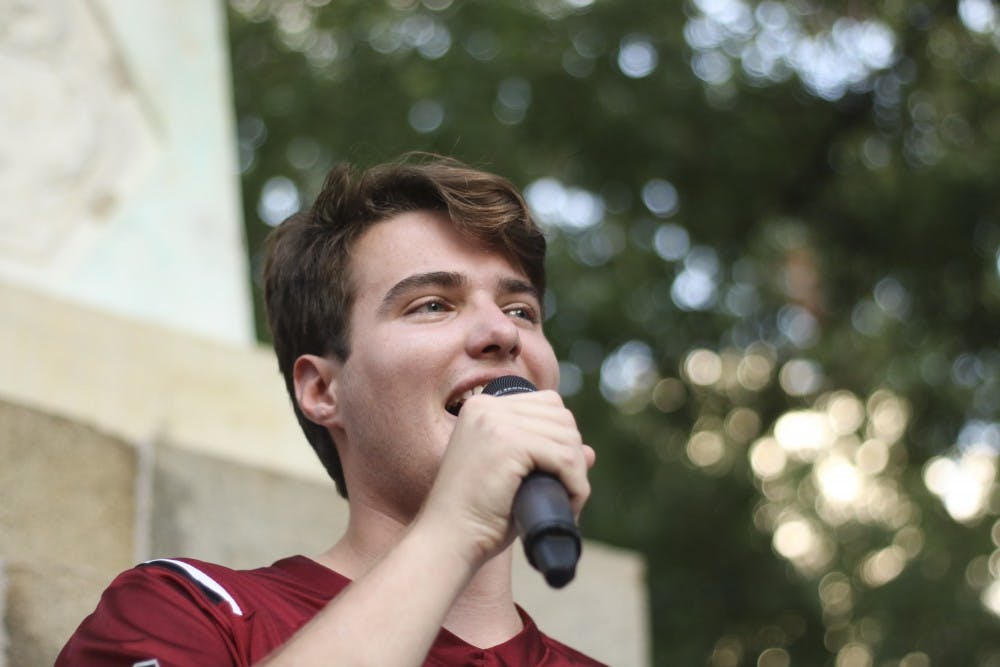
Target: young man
column 392, row 302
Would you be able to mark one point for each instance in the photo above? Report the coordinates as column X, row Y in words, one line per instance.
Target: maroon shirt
column 180, row 613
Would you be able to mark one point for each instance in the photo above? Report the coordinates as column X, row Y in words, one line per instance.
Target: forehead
column 419, row 242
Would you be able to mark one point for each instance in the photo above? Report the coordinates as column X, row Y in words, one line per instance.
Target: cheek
column 415, row 350
column 389, row 369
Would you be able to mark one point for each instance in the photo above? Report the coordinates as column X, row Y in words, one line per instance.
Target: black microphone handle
column 541, row 511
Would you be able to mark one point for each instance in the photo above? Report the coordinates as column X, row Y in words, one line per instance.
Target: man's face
column 434, row 317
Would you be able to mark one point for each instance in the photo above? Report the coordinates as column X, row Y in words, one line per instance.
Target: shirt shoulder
column 183, row 611
column 163, row 612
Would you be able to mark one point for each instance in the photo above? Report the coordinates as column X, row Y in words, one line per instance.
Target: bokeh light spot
column 767, row 458
column 712, row 67
column 426, row 116
column 883, row 566
column 742, row 424
column 703, row 367
column 872, row 456
column 565, row 207
column 706, row 448
column 910, row 539
column 837, row 479
column 693, row 289
column 513, row 100
column 991, row 598
column 978, row 15
column 728, row 652
column 892, row 297
column 888, row 416
column 628, row 371
column 671, row 242
column 754, row 372
column 303, row 154
column 804, row 433
column 977, row 573
column 482, row 44
column 795, row 538
column 800, row 377
column 846, row 411
column 669, row 394
column 279, row 198
column 637, row 57
column 854, row 655
column 836, row 594
column 798, row 325
column 915, row 659
column 774, row 657
column 660, row 197
column 963, row 483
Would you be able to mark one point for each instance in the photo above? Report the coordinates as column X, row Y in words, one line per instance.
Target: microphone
column 541, row 510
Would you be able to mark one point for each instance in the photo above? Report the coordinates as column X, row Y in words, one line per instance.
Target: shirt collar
column 525, row 648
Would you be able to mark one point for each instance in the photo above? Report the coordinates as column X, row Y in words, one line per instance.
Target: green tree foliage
column 774, row 268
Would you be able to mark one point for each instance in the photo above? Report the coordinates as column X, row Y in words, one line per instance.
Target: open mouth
column 455, row 406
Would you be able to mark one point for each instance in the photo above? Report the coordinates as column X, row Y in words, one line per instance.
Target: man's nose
column 493, row 333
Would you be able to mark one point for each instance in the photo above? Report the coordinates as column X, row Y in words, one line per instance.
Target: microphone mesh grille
column 509, row 384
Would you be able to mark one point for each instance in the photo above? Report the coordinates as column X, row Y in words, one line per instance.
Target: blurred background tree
column 774, row 266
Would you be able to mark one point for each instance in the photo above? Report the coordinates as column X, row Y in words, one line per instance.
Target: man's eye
column 430, row 307
column 524, row 313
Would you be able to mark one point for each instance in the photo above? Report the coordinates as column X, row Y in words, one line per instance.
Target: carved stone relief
column 75, row 134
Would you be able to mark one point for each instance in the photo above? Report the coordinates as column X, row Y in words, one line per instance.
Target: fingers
column 543, row 432
column 496, row 442
column 570, row 465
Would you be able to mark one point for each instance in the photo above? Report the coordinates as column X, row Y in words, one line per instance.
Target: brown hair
column 308, row 288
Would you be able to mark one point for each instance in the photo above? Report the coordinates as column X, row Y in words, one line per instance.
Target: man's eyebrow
column 444, row 279
column 518, row 286
column 451, row 280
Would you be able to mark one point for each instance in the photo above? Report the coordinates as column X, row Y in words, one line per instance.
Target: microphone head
column 555, row 557
column 509, row 384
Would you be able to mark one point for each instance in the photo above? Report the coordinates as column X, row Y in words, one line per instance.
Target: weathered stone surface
column 237, row 515
column 145, row 383
column 66, row 492
column 67, row 522
column 45, row 604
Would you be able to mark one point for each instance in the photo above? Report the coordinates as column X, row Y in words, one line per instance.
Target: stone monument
column 117, row 161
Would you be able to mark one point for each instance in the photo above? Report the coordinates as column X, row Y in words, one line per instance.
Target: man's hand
column 495, row 444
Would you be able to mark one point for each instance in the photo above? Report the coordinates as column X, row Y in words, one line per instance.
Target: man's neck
column 483, row 614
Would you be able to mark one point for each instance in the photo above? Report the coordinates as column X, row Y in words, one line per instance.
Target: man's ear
column 315, row 379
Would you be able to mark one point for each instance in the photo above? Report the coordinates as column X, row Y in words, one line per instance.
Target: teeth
column 456, row 405
column 472, row 392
